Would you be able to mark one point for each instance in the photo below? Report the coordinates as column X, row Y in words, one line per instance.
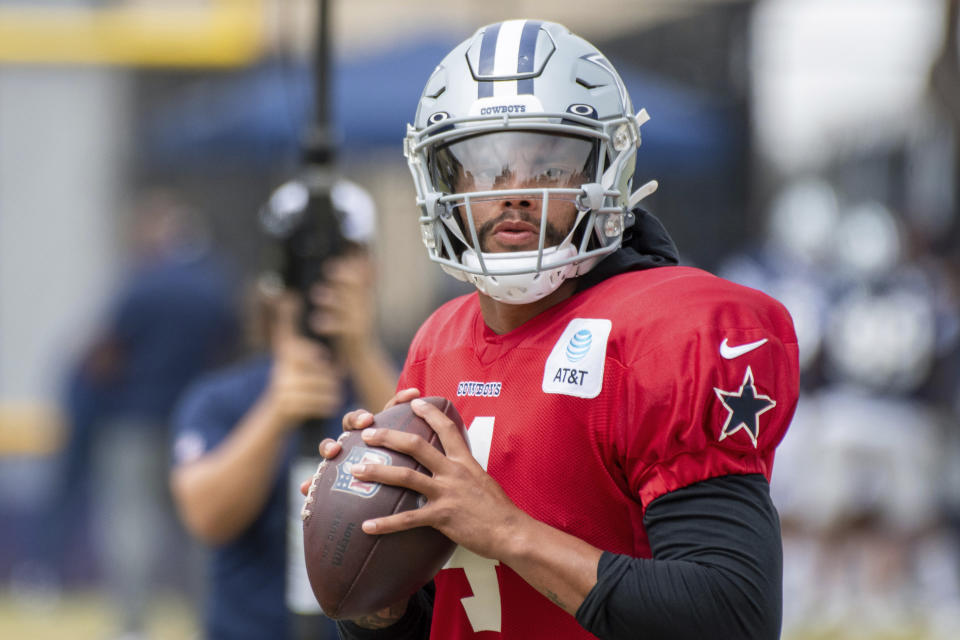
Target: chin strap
column 643, row 192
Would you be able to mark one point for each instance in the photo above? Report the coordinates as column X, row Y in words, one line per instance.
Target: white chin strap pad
column 520, row 288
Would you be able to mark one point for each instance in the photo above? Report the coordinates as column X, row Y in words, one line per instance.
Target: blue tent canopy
column 257, row 117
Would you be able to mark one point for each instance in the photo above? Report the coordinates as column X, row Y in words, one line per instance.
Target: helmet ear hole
column 584, row 110
column 438, row 117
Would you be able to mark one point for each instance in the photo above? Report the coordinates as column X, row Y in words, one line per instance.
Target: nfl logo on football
column 347, row 483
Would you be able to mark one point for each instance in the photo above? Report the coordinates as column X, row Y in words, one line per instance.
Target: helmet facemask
column 525, row 176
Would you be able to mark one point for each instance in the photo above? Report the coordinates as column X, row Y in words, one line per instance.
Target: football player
column 622, row 411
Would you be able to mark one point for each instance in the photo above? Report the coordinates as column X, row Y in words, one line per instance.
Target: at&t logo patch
column 579, row 345
column 347, row 483
column 575, row 365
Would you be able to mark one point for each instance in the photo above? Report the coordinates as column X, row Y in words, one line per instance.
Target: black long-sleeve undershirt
column 715, row 573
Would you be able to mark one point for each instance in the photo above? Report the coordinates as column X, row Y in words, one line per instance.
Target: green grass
column 87, row 615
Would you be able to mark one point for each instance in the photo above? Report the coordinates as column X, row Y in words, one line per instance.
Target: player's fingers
column 357, row 419
column 404, row 395
column 408, row 443
column 397, row 522
column 305, row 486
column 329, row 448
column 453, row 443
column 396, row 476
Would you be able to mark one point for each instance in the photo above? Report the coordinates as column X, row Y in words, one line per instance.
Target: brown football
column 352, row 573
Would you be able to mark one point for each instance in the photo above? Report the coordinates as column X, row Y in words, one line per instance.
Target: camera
column 300, row 215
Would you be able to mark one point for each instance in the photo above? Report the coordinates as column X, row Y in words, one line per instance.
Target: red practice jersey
column 642, row 384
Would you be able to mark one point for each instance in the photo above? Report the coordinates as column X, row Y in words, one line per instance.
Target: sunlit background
column 804, row 147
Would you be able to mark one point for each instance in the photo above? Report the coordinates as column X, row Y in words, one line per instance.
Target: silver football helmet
column 524, row 111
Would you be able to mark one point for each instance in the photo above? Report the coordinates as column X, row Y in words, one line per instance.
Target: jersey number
column 483, row 607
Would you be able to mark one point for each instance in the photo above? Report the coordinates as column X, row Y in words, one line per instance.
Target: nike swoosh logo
column 730, row 353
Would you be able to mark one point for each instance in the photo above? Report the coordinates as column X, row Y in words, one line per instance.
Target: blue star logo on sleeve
column 744, row 406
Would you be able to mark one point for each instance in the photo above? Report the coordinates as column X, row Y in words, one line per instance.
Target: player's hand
column 463, row 501
column 383, row 618
column 361, row 419
column 357, row 419
column 304, row 381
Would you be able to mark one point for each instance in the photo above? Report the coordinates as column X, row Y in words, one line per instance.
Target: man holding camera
column 237, row 432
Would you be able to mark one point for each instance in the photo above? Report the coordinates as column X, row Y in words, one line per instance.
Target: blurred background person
column 173, row 318
column 867, row 543
column 237, row 431
column 862, row 247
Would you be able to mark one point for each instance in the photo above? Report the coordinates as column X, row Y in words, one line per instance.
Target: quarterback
column 622, row 411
